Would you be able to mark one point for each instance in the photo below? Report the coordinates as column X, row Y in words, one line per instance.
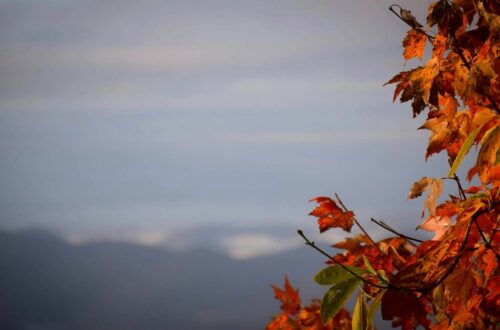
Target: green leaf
column 372, row 309
column 336, row 274
column 359, row 314
column 369, row 266
column 336, row 297
column 464, row 150
column 383, row 275
column 438, row 303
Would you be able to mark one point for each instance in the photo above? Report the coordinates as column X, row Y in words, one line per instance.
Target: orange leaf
column 404, row 309
column 438, row 140
column 439, row 225
column 290, row 298
column 448, row 104
column 331, row 216
column 414, row 44
column 439, row 46
column 280, row 322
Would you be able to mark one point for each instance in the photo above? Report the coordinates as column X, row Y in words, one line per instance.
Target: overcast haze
column 140, row 118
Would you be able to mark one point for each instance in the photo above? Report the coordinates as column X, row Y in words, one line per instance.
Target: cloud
column 246, row 246
column 147, row 238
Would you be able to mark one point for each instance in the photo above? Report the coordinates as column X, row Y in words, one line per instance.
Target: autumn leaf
column 408, row 17
column 280, row 322
column 404, row 309
column 486, row 261
column 488, row 155
column 290, row 299
column 439, row 138
column 449, row 208
column 435, row 190
column 453, row 280
column 414, row 44
column 418, row 188
column 439, row 225
column 359, row 315
column 439, row 46
column 331, row 216
column 422, row 79
column 463, row 151
column 372, row 309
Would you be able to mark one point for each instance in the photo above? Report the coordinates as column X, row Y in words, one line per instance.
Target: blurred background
column 157, row 157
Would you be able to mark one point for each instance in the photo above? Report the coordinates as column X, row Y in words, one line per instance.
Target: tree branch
column 411, row 22
column 414, row 24
column 314, row 246
column 387, row 286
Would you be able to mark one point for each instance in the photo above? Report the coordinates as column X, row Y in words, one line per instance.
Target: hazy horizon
column 121, row 119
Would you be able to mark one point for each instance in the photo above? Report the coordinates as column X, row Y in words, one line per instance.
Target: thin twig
column 495, row 230
column 416, row 28
column 386, row 227
column 455, row 178
column 481, row 232
column 455, row 48
column 359, row 225
column 314, row 246
column 486, row 242
column 455, row 261
column 460, row 189
column 423, row 289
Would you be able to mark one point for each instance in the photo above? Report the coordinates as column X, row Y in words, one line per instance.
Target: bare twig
column 314, row 246
column 487, row 243
column 359, row 225
column 455, row 261
column 413, row 23
column 388, row 228
column 387, row 284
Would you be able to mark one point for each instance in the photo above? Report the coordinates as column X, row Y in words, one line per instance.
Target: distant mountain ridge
column 46, row 283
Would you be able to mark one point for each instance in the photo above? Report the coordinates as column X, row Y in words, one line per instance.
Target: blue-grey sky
column 147, row 116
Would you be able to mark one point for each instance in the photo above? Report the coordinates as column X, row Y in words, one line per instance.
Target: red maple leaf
column 290, row 298
column 331, row 216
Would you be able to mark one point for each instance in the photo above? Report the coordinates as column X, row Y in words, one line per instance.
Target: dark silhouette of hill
column 46, row 283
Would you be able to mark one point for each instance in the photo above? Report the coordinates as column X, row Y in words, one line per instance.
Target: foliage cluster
column 453, row 280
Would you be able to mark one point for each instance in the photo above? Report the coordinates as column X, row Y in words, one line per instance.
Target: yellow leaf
column 436, row 188
column 414, row 44
column 488, row 155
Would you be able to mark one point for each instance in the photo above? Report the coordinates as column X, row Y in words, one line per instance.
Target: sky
column 141, row 119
